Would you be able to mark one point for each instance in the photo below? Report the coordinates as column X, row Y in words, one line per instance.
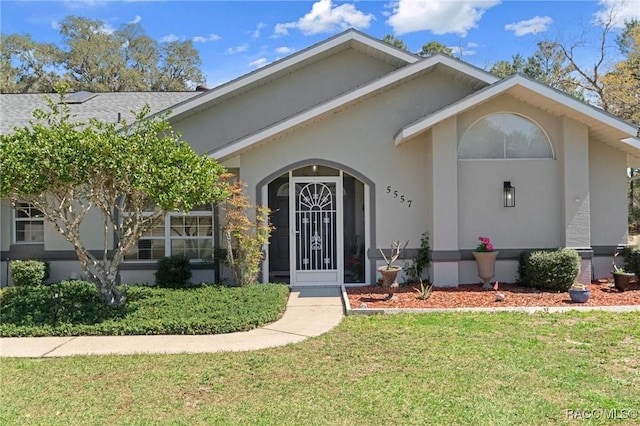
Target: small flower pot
column 622, row 280
column 579, row 295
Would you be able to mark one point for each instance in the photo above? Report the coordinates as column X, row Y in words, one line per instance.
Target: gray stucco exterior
column 393, row 122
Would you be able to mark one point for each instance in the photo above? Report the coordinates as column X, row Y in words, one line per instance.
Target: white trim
column 265, row 247
column 526, row 117
column 423, row 124
column 15, row 219
column 341, row 101
column 339, row 229
column 291, row 61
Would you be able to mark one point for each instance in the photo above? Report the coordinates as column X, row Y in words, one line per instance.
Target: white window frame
column 168, row 238
column 32, row 220
column 527, row 118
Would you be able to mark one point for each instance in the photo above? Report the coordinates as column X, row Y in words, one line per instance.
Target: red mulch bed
column 473, row 295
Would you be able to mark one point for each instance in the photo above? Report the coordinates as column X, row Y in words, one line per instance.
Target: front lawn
column 72, row 308
column 457, row 368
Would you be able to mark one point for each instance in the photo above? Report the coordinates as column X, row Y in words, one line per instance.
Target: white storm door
column 316, row 230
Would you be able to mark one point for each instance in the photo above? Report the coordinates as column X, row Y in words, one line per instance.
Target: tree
column 394, row 41
column 27, row 66
column 245, row 237
column 622, row 83
column 96, row 58
column 92, row 59
column 434, row 47
column 504, row 69
column 180, row 64
column 548, row 65
column 141, row 55
column 70, row 171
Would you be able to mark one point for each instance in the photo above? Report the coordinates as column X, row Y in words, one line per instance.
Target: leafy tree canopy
column 95, row 59
column 72, row 171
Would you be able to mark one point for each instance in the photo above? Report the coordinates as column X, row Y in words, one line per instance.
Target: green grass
column 72, row 308
column 479, row 369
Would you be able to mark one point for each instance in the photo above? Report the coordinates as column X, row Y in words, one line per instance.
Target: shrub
column 245, row 237
column 29, row 272
column 72, row 308
column 173, row 272
column 549, row 269
column 632, row 259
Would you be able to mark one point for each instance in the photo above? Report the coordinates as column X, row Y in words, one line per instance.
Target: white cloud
column 326, row 17
column 283, row 50
column 238, row 49
column 537, row 24
column 259, row 63
column 201, row 39
column 135, row 20
column 619, row 11
column 169, row 38
column 438, row 16
column 55, row 25
column 255, row 34
column 468, row 49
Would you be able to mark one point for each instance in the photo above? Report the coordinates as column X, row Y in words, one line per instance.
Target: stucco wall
column 279, row 99
column 537, row 219
column 361, row 138
column 608, row 183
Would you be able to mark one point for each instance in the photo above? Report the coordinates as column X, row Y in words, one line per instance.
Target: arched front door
column 315, row 218
column 321, row 218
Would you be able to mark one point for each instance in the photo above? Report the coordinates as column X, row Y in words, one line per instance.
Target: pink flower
column 485, row 244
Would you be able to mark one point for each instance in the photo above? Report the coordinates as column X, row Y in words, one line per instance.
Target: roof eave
column 419, row 126
column 347, row 98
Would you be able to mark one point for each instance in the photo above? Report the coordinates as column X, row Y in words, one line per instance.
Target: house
column 354, row 144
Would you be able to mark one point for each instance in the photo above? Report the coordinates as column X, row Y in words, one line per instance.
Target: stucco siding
column 268, row 104
column 608, row 188
column 535, row 221
column 361, row 138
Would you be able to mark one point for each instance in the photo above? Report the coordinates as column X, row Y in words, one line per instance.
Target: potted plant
column 486, row 260
column 621, row 278
column 579, row 293
column 390, row 271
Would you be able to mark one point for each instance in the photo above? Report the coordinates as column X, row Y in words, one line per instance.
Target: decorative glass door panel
column 317, row 229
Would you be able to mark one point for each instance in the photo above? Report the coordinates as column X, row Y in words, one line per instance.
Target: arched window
column 503, row 136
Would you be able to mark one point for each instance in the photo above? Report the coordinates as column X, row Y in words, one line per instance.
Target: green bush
column 173, row 272
column 553, row 270
column 72, row 308
column 631, row 256
column 29, row 272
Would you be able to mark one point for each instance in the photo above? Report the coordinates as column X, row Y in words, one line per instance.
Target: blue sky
column 236, row 37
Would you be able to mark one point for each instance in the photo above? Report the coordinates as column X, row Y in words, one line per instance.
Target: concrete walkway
column 310, row 312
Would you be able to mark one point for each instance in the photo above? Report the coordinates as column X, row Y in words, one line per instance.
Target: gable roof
column 349, row 39
column 602, row 125
column 16, row 109
column 469, row 74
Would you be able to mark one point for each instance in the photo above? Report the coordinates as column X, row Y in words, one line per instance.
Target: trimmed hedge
column 173, row 272
column 631, row 256
column 29, row 272
column 546, row 269
column 72, row 308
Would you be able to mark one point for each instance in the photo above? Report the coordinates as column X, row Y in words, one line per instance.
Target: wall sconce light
column 509, row 195
column 314, row 168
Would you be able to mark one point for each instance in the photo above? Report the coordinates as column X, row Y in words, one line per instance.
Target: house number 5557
column 399, row 196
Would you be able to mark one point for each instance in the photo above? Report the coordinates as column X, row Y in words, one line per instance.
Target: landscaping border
column 525, row 309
